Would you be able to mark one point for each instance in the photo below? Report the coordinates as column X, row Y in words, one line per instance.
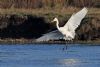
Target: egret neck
column 57, row 24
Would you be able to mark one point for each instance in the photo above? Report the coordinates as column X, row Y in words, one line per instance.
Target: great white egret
column 66, row 32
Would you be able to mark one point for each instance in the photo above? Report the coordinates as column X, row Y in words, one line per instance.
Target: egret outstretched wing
column 68, row 31
column 54, row 35
column 75, row 20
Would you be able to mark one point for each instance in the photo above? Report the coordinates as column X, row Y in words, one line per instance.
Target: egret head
column 55, row 19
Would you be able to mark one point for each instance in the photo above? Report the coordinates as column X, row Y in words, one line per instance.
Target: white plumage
column 66, row 32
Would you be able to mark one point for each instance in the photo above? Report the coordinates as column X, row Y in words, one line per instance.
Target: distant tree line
column 48, row 3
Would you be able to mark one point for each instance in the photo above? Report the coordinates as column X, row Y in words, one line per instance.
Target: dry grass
column 62, row 13
column 49, row 14
column 48, row 3
column 69, row 10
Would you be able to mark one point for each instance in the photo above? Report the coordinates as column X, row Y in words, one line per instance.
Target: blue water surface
column 44, row 55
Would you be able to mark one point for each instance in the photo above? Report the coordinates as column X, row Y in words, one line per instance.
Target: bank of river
column 32, row 41
column 23, row 26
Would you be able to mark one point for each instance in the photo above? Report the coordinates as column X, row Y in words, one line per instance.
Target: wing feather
column 76, row 19
column 54, row 35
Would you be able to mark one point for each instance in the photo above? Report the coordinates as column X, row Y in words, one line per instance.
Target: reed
column 48, row 3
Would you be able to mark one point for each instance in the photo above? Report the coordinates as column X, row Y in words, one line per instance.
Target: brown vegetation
column 48, row 3
column 22, row 26
column 90, row 29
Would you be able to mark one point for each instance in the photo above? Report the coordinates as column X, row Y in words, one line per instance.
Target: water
column 49, row 56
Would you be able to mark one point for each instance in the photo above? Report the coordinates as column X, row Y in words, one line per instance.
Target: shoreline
column 32, row 41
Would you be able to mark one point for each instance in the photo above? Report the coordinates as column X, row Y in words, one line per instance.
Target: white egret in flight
column 66, row 32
